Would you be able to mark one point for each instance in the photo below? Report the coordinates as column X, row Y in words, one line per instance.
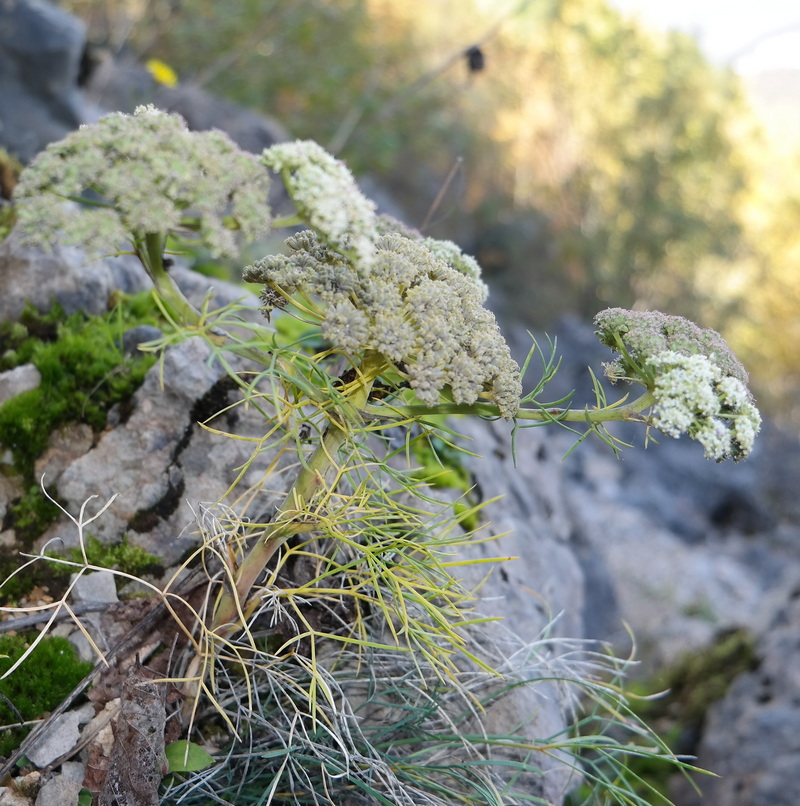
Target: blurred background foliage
column 589, row 163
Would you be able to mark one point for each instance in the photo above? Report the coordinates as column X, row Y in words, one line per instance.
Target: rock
column 65, row 446
column 59, row 791
column 94, row 588
column 131, row 339
column 159, row 458
column 15, row 381
column 62, row 735
column 62, row 276
column 751, row 738
column 544, row 578
column 40, row 54
column 9, row 797
column 74, row 770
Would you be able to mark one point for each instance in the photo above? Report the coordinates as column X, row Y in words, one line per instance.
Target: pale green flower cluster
column 408, row 304
column 326, row 196
column 698, row 384
column 147, row 171
column 694, row 397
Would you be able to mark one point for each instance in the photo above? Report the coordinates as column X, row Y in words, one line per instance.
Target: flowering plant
column 401, row 338
column 694, row 382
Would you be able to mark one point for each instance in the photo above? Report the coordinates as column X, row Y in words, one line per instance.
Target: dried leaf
column 137, row 762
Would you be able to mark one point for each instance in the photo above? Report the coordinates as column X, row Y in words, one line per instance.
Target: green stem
column 149, row 248
column 630, row 413
column 309, row 482
column 287, row 221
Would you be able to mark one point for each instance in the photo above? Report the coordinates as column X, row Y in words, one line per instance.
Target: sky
column 740, row 33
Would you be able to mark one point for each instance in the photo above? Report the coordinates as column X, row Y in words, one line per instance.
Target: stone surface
column 40, row 54
column 122, row 86
column 751, row 738
column 95, row 587
column 15, row 381
column 61, row 736
column 59, row 791
column 10, row 797
column 62, row 276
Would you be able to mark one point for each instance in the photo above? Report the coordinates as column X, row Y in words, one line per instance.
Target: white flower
column 327, row 197
column 693, row 396
column 148, row 171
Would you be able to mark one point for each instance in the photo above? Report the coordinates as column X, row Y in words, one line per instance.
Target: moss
column 699, row 679
column 84, row 372
column 122, row 556
column 8, row 217
column 693, row 684
column 49, row 576
column 45, row 678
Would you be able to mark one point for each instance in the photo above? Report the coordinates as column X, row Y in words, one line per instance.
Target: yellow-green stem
column 310, row 481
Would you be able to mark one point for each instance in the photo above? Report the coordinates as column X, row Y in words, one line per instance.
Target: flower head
column 647, row 333
column 148, row 171
column 408, row 304
column 698, row 385
column 326, row 196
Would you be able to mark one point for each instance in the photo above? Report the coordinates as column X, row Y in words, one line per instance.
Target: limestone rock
column 61, row 737
column 752, row 736
column 40, row 54
column 15, row 381
column 59, row 791
column 62, row 276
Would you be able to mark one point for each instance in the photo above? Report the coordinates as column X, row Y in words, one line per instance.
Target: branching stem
column 310, row 481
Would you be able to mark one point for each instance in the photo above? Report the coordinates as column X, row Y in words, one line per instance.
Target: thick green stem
column 310, row 481
column 150, row 251
column 630, row 413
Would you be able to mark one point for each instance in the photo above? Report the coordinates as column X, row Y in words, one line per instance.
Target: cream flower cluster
column 147, row 171
column 326, row 196
column 699, row 386
column 409, row 304
column 694, row 397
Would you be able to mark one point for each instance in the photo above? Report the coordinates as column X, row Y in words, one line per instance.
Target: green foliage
column 50, row 673
column 184, row 756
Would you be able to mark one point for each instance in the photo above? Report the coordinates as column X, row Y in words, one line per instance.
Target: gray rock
column 15, row 381
column 64, row 446
column 121, row 87
column 95, row 587
column 131, row 339
column 74, row 770
column 751, row 738
column 544, row 580
column 59, row 791
column 137, row 461
column 40, row 54
column 61, row 737
column 62, row 276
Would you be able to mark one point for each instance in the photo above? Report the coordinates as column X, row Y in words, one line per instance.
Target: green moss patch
column 122, row 557
column 84, row 372
column 45, row 678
